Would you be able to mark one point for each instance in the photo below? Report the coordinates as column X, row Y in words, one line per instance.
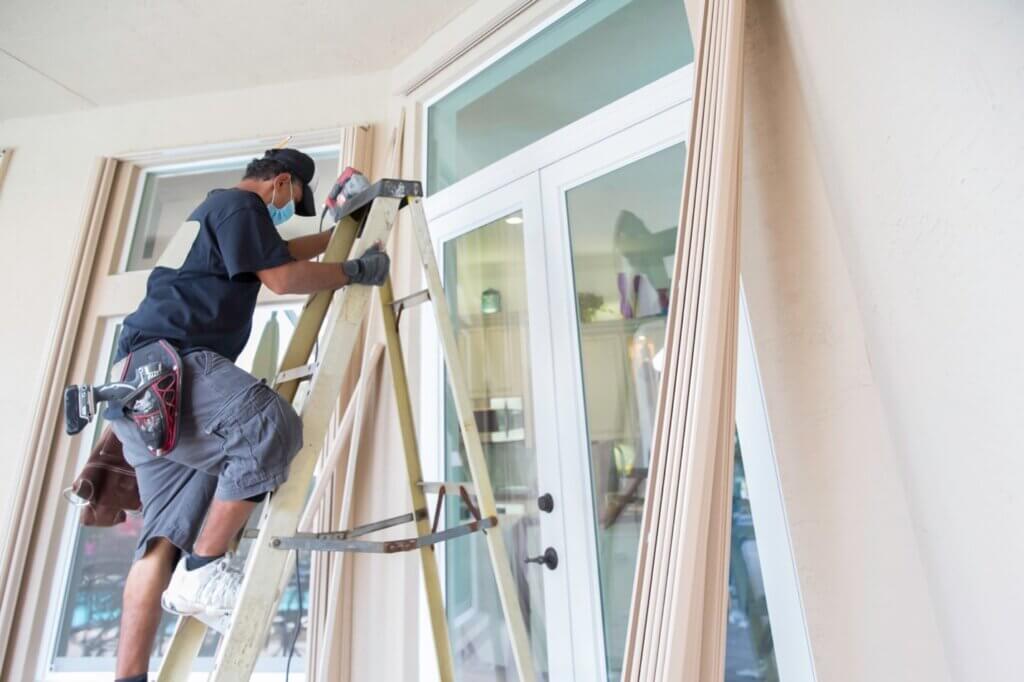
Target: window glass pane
column 169, row 197
column 623, row 228
column 749, row 650
column 594, row 55
column 91, row 612
column 485, row 288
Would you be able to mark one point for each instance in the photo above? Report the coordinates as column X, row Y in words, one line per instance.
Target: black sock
column 134, row 678
column 194, row 561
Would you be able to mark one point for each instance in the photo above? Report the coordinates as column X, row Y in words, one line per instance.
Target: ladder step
column 300, row 372
column 450, row 487
column 410, row 301
column 322, row 542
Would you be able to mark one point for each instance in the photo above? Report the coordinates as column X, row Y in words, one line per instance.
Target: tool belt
column 154, row 405
column 147, row 392
column 105, row 490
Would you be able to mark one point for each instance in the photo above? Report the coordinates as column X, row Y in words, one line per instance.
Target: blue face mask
column 282, row 214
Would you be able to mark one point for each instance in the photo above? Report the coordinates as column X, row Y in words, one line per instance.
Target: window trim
column 70, row 529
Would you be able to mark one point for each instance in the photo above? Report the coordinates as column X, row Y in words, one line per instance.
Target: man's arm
column 305, row 277
column 310, row 245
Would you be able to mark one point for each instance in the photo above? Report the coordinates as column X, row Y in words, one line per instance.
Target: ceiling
column 65, row 56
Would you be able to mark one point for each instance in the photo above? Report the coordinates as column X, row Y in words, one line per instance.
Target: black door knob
column 549, row 558
column 546, row 503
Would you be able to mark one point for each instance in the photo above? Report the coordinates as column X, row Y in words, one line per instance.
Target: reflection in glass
column 595, row 54
column 623, row 230
column 749, row 650
column 168, row 197
column 487, row 294
column 91, row 612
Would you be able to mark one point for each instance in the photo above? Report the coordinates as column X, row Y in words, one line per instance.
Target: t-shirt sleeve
column 249, row 242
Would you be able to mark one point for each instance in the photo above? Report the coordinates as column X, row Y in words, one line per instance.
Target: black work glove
column 370, row 268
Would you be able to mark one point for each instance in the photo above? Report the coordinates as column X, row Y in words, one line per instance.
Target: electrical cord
column 298, row 620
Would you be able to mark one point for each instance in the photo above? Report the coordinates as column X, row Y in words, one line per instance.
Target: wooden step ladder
column 368, row 218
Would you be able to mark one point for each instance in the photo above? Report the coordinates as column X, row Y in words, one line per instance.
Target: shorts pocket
column 241, row 408
column 212, row 362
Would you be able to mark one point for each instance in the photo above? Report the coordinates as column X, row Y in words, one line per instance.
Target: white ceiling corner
column 118, row 51
column 25, row 92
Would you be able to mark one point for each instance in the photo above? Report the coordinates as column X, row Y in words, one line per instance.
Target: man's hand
column 305, row 277
column 370, row 268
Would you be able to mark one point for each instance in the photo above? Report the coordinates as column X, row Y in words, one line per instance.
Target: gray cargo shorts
column 236, row 439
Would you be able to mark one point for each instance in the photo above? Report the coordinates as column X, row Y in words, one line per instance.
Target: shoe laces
column 221, row 590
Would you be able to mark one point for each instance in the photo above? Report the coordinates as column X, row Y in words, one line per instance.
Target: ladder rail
column 413, row 468
column 507, row 592
column 241, row 645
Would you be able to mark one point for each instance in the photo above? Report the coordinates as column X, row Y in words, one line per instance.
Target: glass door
column 611, row 213
column 495, row 290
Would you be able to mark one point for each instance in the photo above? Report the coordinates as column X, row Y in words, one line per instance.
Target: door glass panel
column 484, row 284
column 595, row 54
column 623, row 228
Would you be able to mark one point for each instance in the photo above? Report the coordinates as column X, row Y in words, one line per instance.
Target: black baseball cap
column 302, row 168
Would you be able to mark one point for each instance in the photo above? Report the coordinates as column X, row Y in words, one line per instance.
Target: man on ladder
column 235, row 435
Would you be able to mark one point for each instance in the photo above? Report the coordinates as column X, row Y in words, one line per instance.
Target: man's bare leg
column 140, row 611
column 225, row 519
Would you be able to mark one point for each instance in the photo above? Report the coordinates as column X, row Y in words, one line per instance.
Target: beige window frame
column 96, row 292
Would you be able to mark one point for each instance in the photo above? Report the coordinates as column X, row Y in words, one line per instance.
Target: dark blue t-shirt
column 209, row 301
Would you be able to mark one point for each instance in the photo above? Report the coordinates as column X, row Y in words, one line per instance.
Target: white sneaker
column 211, row 590
column 220, row 623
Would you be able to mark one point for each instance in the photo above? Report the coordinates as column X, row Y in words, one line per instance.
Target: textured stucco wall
column 867, row 606
column 914, row 110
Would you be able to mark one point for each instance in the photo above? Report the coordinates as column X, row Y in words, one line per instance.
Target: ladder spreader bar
column 450, row 487
column 359, row 530
column 386, row 546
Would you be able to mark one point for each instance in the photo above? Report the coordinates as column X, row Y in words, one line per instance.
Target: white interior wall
column 915, row 114
column 867, row 606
